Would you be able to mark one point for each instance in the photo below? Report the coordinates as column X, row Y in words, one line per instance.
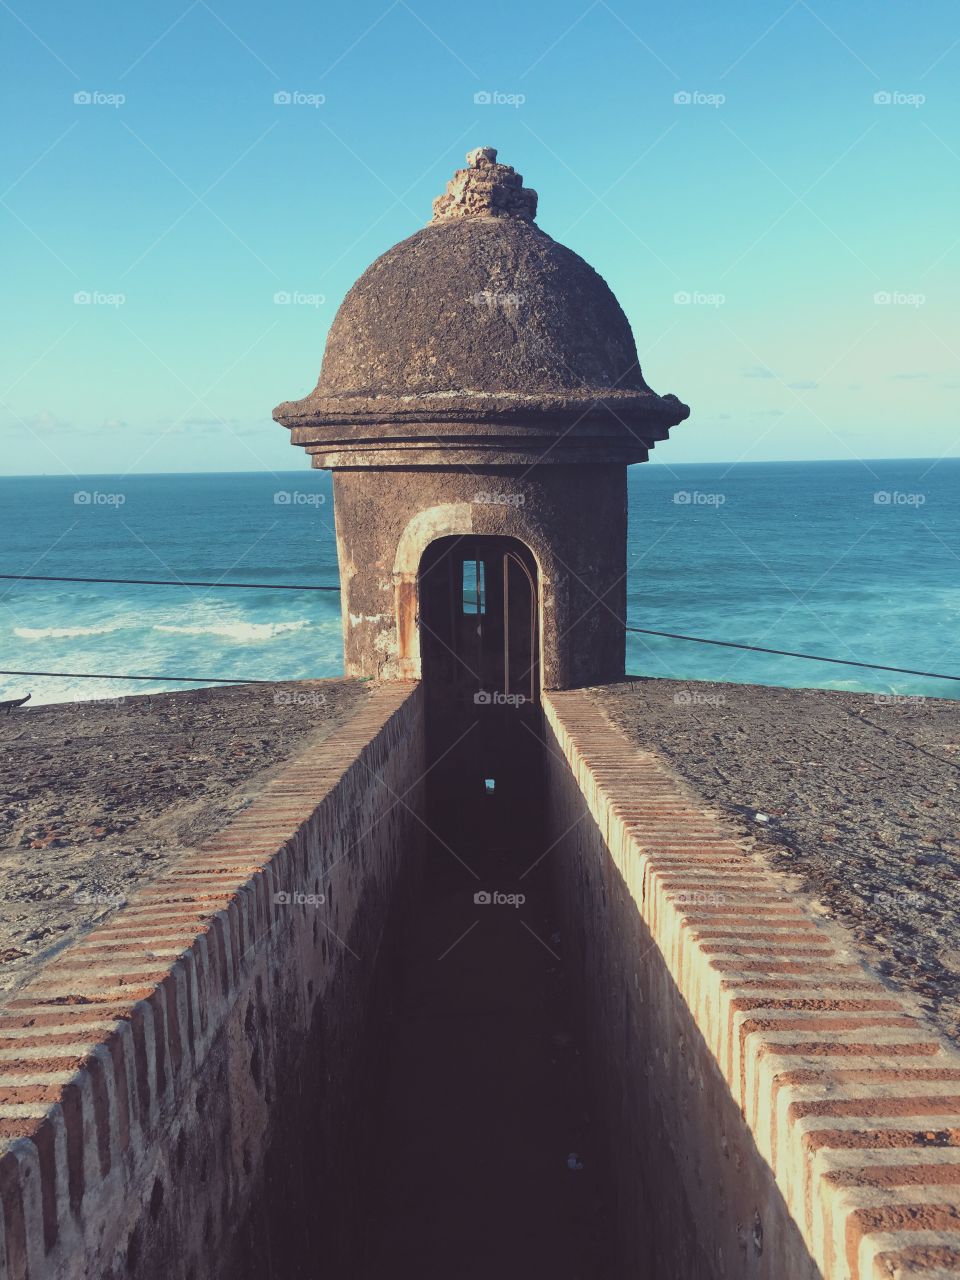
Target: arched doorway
column 478, row 622
column 478, row 613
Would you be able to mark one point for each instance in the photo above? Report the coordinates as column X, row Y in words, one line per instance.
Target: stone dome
column 480, row 332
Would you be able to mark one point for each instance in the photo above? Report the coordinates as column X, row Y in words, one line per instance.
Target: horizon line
column 272, row 471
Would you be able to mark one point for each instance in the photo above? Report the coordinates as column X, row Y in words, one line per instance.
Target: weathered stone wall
column 772, row 1110
column 181, row 1091
column 578, row 539
column 175, row 1089
column 691, row 1194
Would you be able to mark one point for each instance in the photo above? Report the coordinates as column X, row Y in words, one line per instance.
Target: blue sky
column 812, row 226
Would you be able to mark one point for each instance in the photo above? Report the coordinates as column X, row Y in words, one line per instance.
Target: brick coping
column 95, row 1047
column 851, row 1097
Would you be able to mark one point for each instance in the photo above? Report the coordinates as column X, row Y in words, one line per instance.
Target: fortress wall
column 174, row 1088
column 771, row 1109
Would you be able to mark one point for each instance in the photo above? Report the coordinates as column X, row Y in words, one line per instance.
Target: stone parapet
column 798, row 1118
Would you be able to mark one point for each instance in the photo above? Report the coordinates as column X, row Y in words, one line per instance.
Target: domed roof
column 480, row 332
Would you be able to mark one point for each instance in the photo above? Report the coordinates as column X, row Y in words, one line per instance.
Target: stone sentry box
column 481, row 379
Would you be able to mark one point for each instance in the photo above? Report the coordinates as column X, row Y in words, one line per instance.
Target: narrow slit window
column 474, row 587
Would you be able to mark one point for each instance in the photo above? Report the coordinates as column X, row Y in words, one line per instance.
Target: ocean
column 846, row 559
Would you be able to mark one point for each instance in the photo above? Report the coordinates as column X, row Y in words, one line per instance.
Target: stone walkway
column 487, row 1164
column 857, row 794
column 99, row 798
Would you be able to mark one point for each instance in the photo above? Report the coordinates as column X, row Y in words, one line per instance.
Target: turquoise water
column 853, row 560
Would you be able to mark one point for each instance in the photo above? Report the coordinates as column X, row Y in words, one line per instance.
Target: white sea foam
column 67, row 633
column 242, row 632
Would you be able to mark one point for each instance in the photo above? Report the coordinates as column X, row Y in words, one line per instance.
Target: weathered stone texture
column 785, row 1114
column 481, row 356
column 386, row 519
column 481, row 321
column 178, row 1091
column 485, row 189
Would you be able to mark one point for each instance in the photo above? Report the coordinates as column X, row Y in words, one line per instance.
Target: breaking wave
column 67, row 633
column 242, row 632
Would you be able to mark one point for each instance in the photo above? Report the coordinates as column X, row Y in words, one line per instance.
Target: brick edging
column 852, row 1099
column 94, row 1049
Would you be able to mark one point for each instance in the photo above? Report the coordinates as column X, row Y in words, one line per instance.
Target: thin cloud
column 41, row 420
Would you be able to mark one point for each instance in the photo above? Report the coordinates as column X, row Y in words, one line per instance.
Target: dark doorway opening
column 479, row 644
column 478, row 610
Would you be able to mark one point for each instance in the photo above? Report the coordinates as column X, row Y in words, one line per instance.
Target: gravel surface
column 97, row 798
column 859, row 794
